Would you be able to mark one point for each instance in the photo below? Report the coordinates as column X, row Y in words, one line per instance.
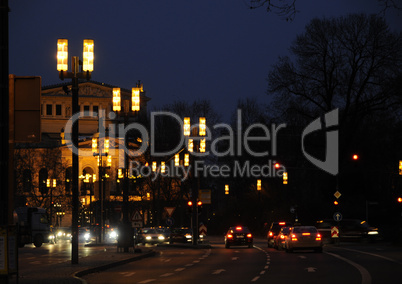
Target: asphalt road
column 349, row 263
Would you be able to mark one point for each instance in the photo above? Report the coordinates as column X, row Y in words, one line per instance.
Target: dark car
column 181, row 235
column 238, row 236
column 349, row 230
column 274, row 230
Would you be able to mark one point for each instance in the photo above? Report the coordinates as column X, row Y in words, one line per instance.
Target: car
column 63, row 234
column 238, row 236
column 279, row 242
column 84, row 235
column 274, row 230
column 349, row 230
column 112, row 235
column 181, row 235
column 303, row 237
column 151, row 236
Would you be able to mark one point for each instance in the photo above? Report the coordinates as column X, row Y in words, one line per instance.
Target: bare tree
column 352, row 63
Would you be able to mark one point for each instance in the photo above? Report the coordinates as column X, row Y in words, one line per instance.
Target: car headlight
column 59, row 234
column 148, row 237
column 161, row 237
column 87, row 236
column 51, row 237
column 373, row 233
column 188, row 236
column 113, row 235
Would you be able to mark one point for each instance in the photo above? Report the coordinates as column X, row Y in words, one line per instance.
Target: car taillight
column 229, row 236
column 294, row 238
column 238, row 228
column 282, row 236
column 271, row 234
column 318, row 237
column 249, row 236
column 306, row 234
column 282, row 223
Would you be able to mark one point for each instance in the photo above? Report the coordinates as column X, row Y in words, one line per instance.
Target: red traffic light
column 400, row 199
column 199, row 203
column 190, row 203
column 355, row 157
column 336, row 202
column 277, row 165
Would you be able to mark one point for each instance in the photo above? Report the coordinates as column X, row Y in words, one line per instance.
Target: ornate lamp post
column 100, row 148
column 87, row 68
column 135, row 108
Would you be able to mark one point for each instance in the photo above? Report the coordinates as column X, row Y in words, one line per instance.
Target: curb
column 84, row 272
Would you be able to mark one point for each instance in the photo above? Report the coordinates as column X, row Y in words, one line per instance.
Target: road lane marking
column 366, row 277
column 218, row 271
column 373, row 254
column 189, row 264
column 167, row 274
column 180, row 269
column 147, row 281
column 262, row 272
column 235, row 258
column 310, row 269
column 255, row 278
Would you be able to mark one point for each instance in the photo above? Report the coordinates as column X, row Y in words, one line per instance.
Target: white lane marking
column 235, row 258
column 255, row 278
column 189, row 264
column 196, row 261
column 180, row 269
column 310, row 269
column 302, row 256
column 373, row 254
column 167, row 274
column 366, row 277
column 262, row 272
column 266, row 267
column 147, row 281
column 167, row 260
column 218, row 271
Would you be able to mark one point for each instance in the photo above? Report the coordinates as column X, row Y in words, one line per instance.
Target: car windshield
column 305, row 230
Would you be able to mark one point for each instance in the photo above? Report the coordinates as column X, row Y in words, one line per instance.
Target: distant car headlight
column 113, row 235
column 51, row 237
column 373, row 233
column 60, row 233
column 148, row 237
column 161, row 237
column 87, row 236
column 188, row 236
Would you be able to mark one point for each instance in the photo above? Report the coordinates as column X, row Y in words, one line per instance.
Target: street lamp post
column 100, row 148
column 190, row 148
column 51, row 183
column 135, row 107
column 87, row 68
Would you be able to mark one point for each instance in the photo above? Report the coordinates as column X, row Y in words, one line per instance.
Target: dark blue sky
column 182, row 50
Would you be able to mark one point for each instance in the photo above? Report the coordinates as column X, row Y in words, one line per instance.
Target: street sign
column 170, row 210
column 337, row 194
column 136, row 219
column 337, row 216
column 169, row 221
column 205, row 196
column 202, row 230
column 334, row 232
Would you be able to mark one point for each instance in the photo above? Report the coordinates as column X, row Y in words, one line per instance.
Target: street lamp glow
column 177, row 160
column 116, row 99
column 106, row 146
column 88, row 55
column 94, row 145
column 186, row 126
column 62, row 54
column 258, row 184
column 135, row 99
column 202, row 145
column 226, row 189
column 163, row 168
column 202, row 126
column 54, row 182
column 186, row 160
column 190, row 146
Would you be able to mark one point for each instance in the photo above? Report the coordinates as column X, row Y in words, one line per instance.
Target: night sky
column 218, row 50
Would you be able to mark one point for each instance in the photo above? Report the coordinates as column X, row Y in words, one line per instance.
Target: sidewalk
column 65, row 272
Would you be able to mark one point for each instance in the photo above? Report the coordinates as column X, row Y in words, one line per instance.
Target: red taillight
column 249, row 236
column 294, row 238
column 282, row 223
column 318, row 237
column 306, row 234
column 271, row 234
column 238, row 228
column 229, row 236
column 282, row 236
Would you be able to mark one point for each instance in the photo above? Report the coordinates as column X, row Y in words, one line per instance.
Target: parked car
column 304, row 237
column 274, row 230
column 279, row 242
column 238, row 236
column 181, row 235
